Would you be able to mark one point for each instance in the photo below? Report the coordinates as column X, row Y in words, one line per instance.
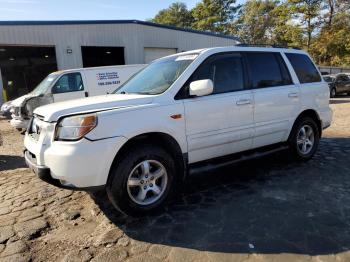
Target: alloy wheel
column 305, row 139
column 147, row 182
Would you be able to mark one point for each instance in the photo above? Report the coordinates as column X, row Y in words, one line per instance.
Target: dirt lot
column 263, row 210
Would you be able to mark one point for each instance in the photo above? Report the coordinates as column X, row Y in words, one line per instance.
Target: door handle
column 86, row 94
column 243, row 102
column 293, row 94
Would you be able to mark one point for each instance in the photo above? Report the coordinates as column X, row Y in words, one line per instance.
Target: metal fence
column 334, row 70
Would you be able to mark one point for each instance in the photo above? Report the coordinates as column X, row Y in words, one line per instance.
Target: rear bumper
column 326, row 117
column 44, row 174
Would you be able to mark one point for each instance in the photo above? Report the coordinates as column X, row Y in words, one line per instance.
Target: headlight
column 75, row 127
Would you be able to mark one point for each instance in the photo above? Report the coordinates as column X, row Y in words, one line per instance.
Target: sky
column 83, row 9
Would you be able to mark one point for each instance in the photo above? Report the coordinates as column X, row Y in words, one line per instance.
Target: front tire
column 304, row 139
column 142, row 180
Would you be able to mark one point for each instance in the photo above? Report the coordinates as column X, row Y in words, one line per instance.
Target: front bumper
column 80, row 164
column 44, row 174
column 19, row 123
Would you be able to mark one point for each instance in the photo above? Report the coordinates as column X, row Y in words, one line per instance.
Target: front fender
column 135, row 122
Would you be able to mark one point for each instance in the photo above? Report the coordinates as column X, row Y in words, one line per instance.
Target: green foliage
column 213, row 15
column 255, row 22
column 285, row 32
column 332, row 45
column 322, row 27
column 307, row 14
column 176, row 15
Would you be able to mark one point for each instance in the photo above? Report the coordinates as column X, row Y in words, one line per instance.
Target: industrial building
column 30, row 50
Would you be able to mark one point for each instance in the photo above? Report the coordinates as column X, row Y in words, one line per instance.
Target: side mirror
column 201, row 87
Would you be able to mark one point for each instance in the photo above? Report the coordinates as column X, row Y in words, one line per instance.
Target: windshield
column 41, row 89
column 158, row 76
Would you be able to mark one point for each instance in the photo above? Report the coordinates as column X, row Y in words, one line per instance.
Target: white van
column 70, row 84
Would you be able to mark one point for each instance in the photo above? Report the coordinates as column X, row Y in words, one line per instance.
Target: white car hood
column 53, row 112
column 18, row 102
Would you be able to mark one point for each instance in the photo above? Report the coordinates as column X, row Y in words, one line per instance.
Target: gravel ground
column 262, row 210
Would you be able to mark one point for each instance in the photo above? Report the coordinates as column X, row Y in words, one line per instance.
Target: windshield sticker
column 186, row 57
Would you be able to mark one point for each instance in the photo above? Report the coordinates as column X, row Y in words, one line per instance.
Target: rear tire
column 304, row 139
column 142, row 180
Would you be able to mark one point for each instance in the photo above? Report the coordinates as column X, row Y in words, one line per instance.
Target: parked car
column 70, row 84
column 340, row 84
column 330, row 81
column 5, row 109
column 212, row 106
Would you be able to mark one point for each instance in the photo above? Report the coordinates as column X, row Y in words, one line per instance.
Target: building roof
column 94, row 22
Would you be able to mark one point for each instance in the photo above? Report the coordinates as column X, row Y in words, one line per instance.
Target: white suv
column 198, row 107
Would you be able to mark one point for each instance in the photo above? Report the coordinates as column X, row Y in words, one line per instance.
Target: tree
column 307, row 13
column 333, row 7
column 254, row 24
column 320, row 26
column 332, row 45
column 176, row 14
column 213, row 15
column 285, row 31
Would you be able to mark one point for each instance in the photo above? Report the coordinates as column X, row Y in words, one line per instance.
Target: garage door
column 24, row 67
column 152, row 53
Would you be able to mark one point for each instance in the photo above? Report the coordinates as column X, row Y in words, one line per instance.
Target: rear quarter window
column 304, row 68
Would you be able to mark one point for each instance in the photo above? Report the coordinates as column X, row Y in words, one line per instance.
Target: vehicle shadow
column 271, row 205
column 11, row 162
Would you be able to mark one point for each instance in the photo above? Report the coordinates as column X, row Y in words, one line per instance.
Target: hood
column 53, row 112
column 18, row 102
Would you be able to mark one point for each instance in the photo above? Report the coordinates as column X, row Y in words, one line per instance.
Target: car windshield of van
column 157, row 77
column 41, row 89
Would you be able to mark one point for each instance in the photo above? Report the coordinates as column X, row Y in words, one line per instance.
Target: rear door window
column 304, row 68
column 267, row 69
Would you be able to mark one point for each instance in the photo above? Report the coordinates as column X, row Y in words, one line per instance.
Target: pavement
column 271, row 209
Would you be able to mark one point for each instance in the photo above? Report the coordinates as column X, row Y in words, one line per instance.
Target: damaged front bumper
column 19, row 123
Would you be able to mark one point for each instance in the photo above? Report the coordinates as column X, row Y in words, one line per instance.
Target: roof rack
column 267, row 45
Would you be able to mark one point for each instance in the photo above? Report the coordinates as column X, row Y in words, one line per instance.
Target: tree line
column 321, row 27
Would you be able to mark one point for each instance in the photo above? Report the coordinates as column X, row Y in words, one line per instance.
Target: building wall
column 133, row 37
